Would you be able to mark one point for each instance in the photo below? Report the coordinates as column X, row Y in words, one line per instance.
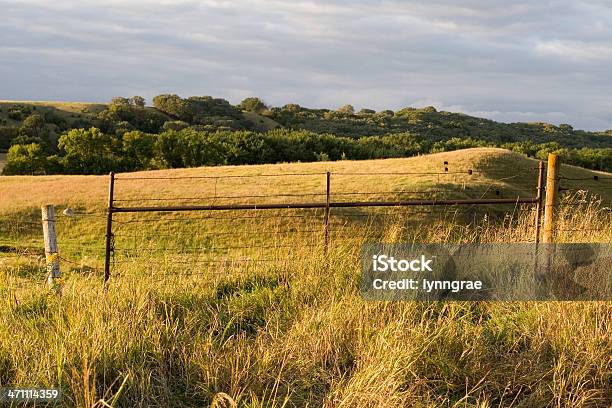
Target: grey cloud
column 513, row 61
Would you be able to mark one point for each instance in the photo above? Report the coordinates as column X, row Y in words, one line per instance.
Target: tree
column 123, row 115
column 292, row 107
column 26, row 159
column 346, row 109
column 88, row 151
column 138, row 101
column 138, row 150
column 119, row 101
column 252, row 104
column 33, row 126
column 174, row 106
column 366, row 111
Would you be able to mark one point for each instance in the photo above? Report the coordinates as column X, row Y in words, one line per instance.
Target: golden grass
column 299, row 335
column 72, row 107
column 493, row 167
column 294, row 333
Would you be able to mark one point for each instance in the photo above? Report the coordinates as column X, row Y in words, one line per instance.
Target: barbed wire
column 403, row 173
column 199, row 261
column 583, row 229
column 212, row 248
column 594, row 177
column 219, row 233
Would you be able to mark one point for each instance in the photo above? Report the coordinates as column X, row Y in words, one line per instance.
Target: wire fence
column 270, row 220
column 170, row 226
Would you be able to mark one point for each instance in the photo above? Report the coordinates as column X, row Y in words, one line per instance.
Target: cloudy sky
column 536, row 60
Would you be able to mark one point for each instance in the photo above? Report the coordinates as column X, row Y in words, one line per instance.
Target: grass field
column 70, row 111
column 173, row 330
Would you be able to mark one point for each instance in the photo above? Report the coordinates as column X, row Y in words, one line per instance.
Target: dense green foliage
column 93, row 152
column 429, row 123
column 252, row 104
column 179, row 132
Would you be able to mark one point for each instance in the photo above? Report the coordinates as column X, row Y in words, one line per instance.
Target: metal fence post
column 538, row 214
column 109, row 228
column 51, row 250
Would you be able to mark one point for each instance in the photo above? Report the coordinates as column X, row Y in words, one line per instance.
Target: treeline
column 91, row 151
column 127, row 135
column 432, row 124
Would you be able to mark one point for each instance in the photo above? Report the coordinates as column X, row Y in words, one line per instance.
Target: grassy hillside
column 69, row 111
column 491, row 167
column 260, row 122
column 173, row 331
column 74, row 112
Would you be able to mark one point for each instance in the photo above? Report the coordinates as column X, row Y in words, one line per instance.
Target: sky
column 511, row 61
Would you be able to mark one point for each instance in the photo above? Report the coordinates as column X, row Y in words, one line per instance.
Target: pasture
column 175, row 330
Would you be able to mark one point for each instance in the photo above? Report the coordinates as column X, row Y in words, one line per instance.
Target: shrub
column 29, row 159
column 88, row 151
column 255, row 105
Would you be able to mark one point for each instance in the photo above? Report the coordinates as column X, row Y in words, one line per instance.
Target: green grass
column 261, row 123
column 294, row 332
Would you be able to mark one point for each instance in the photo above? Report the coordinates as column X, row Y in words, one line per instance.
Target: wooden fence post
column 327, row 198
column 538, row 214
column 51, row 250
column 552, row 188
column 109, row 229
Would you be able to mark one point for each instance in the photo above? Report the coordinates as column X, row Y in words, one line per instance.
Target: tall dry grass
column 298, row 333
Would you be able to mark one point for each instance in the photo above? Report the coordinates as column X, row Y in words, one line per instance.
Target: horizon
column 525, row 62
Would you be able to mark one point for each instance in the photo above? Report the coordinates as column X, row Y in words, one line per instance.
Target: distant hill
column 62, row 116
column 180, row 132
column 433, row 125
column 425, row 122
column 14, row 112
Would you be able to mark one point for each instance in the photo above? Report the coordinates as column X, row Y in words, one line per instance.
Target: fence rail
column 178, row 225
column 328, row 202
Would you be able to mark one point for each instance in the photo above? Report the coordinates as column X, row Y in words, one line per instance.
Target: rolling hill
column 188, row 132
column 70, row 111
column 502, row 170
column 75, row 111
column 179, row 331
